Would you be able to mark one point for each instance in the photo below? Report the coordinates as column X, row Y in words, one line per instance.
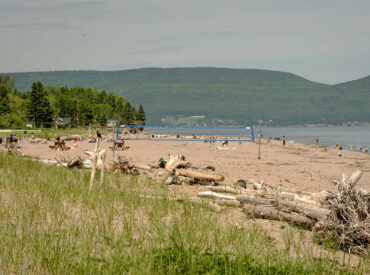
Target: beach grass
column 50, row 222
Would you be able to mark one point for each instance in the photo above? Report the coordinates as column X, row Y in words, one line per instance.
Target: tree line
column 43, row 105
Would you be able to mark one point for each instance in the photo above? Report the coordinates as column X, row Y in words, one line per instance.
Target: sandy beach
column 298, row 166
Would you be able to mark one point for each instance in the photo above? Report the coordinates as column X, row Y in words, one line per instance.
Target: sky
column 326, row 41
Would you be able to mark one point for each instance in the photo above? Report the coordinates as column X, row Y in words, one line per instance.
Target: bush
column 11, row 121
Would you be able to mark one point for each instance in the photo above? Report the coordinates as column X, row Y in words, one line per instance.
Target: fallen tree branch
column 200, row 176
column 270, row 213
column 227, row 189
column 213, row 195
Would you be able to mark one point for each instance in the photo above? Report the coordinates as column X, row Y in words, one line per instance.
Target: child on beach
column 284, row 141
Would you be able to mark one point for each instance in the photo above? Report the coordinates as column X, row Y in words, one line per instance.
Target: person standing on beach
column 317, row 142
column 284, row 141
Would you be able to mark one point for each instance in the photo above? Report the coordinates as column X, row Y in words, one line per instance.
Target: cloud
column 37, row 25
column 161, row 49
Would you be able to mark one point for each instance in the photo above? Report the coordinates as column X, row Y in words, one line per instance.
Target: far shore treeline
column 222, row 96
column 42, row 105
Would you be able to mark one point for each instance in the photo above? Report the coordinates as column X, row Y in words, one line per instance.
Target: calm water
column 328, row 136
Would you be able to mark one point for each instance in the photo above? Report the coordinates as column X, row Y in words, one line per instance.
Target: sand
column 297, row 166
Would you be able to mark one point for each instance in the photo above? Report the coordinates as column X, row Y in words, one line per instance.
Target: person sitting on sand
column 62, row 144
column 75, row 144
column 337, row 145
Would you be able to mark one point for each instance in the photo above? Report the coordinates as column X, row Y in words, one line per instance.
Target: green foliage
column 11, row 121
column 44, row 104
column 4, row 98
column 38, row 106
column 140, row 115
column 238, row 96
column 102, row 119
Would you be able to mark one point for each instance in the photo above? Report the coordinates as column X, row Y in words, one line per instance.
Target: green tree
column 38, row 106
column 128, row 114
column 102, row 119
column 85, row 113
column 4, row 100
column 140, row 115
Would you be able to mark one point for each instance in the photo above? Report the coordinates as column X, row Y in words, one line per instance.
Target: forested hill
column 223, row 96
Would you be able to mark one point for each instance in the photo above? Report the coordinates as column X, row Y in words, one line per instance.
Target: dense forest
column 43, row 105
column 222, row 96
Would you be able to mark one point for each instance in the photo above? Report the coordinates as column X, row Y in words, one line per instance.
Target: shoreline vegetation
column 51, row 222
column 62, row 107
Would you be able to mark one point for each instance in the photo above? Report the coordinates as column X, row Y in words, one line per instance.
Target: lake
column 328, row 135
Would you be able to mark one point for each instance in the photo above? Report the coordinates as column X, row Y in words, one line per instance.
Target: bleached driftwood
column 102, row 169
column 213, row 195
column 270, row 213
column 309, row 210
column 256, row 200
column 227, row 189
column 49, row 162
column 94, row 162
column 354, row 178
column 100, row 156
column 142, row 167
column 285, row 193
column 174, row 161
column 274, row 188
column 349, row 220
column 199, row 176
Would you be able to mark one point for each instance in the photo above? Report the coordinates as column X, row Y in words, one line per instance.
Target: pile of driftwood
column 176, row 170
column 348, row 222
column 343, row 212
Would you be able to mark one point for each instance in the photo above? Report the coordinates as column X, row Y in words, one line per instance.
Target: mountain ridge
column 222, row 95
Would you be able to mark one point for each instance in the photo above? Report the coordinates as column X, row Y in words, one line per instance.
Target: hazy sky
column 322, row 40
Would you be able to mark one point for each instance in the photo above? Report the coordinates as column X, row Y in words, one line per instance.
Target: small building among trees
column 111, row 122
column 29, row 123
column 63, row 122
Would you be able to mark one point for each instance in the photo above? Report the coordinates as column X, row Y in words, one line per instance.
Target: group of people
column 10, row 139
column 363, row 149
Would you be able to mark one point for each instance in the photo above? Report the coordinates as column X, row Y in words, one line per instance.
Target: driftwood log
column 199, row 176
column 271, row 213
column 309, row 210
column 256, row 200
column 231, row 190
column 349, row 220
column 213, row 195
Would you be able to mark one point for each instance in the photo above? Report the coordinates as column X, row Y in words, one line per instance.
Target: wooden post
column 113, row 141
column 94, row 162
column 259, row 140
column 102, row 170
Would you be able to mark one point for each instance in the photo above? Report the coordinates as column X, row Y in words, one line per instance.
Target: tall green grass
column 51, row 223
